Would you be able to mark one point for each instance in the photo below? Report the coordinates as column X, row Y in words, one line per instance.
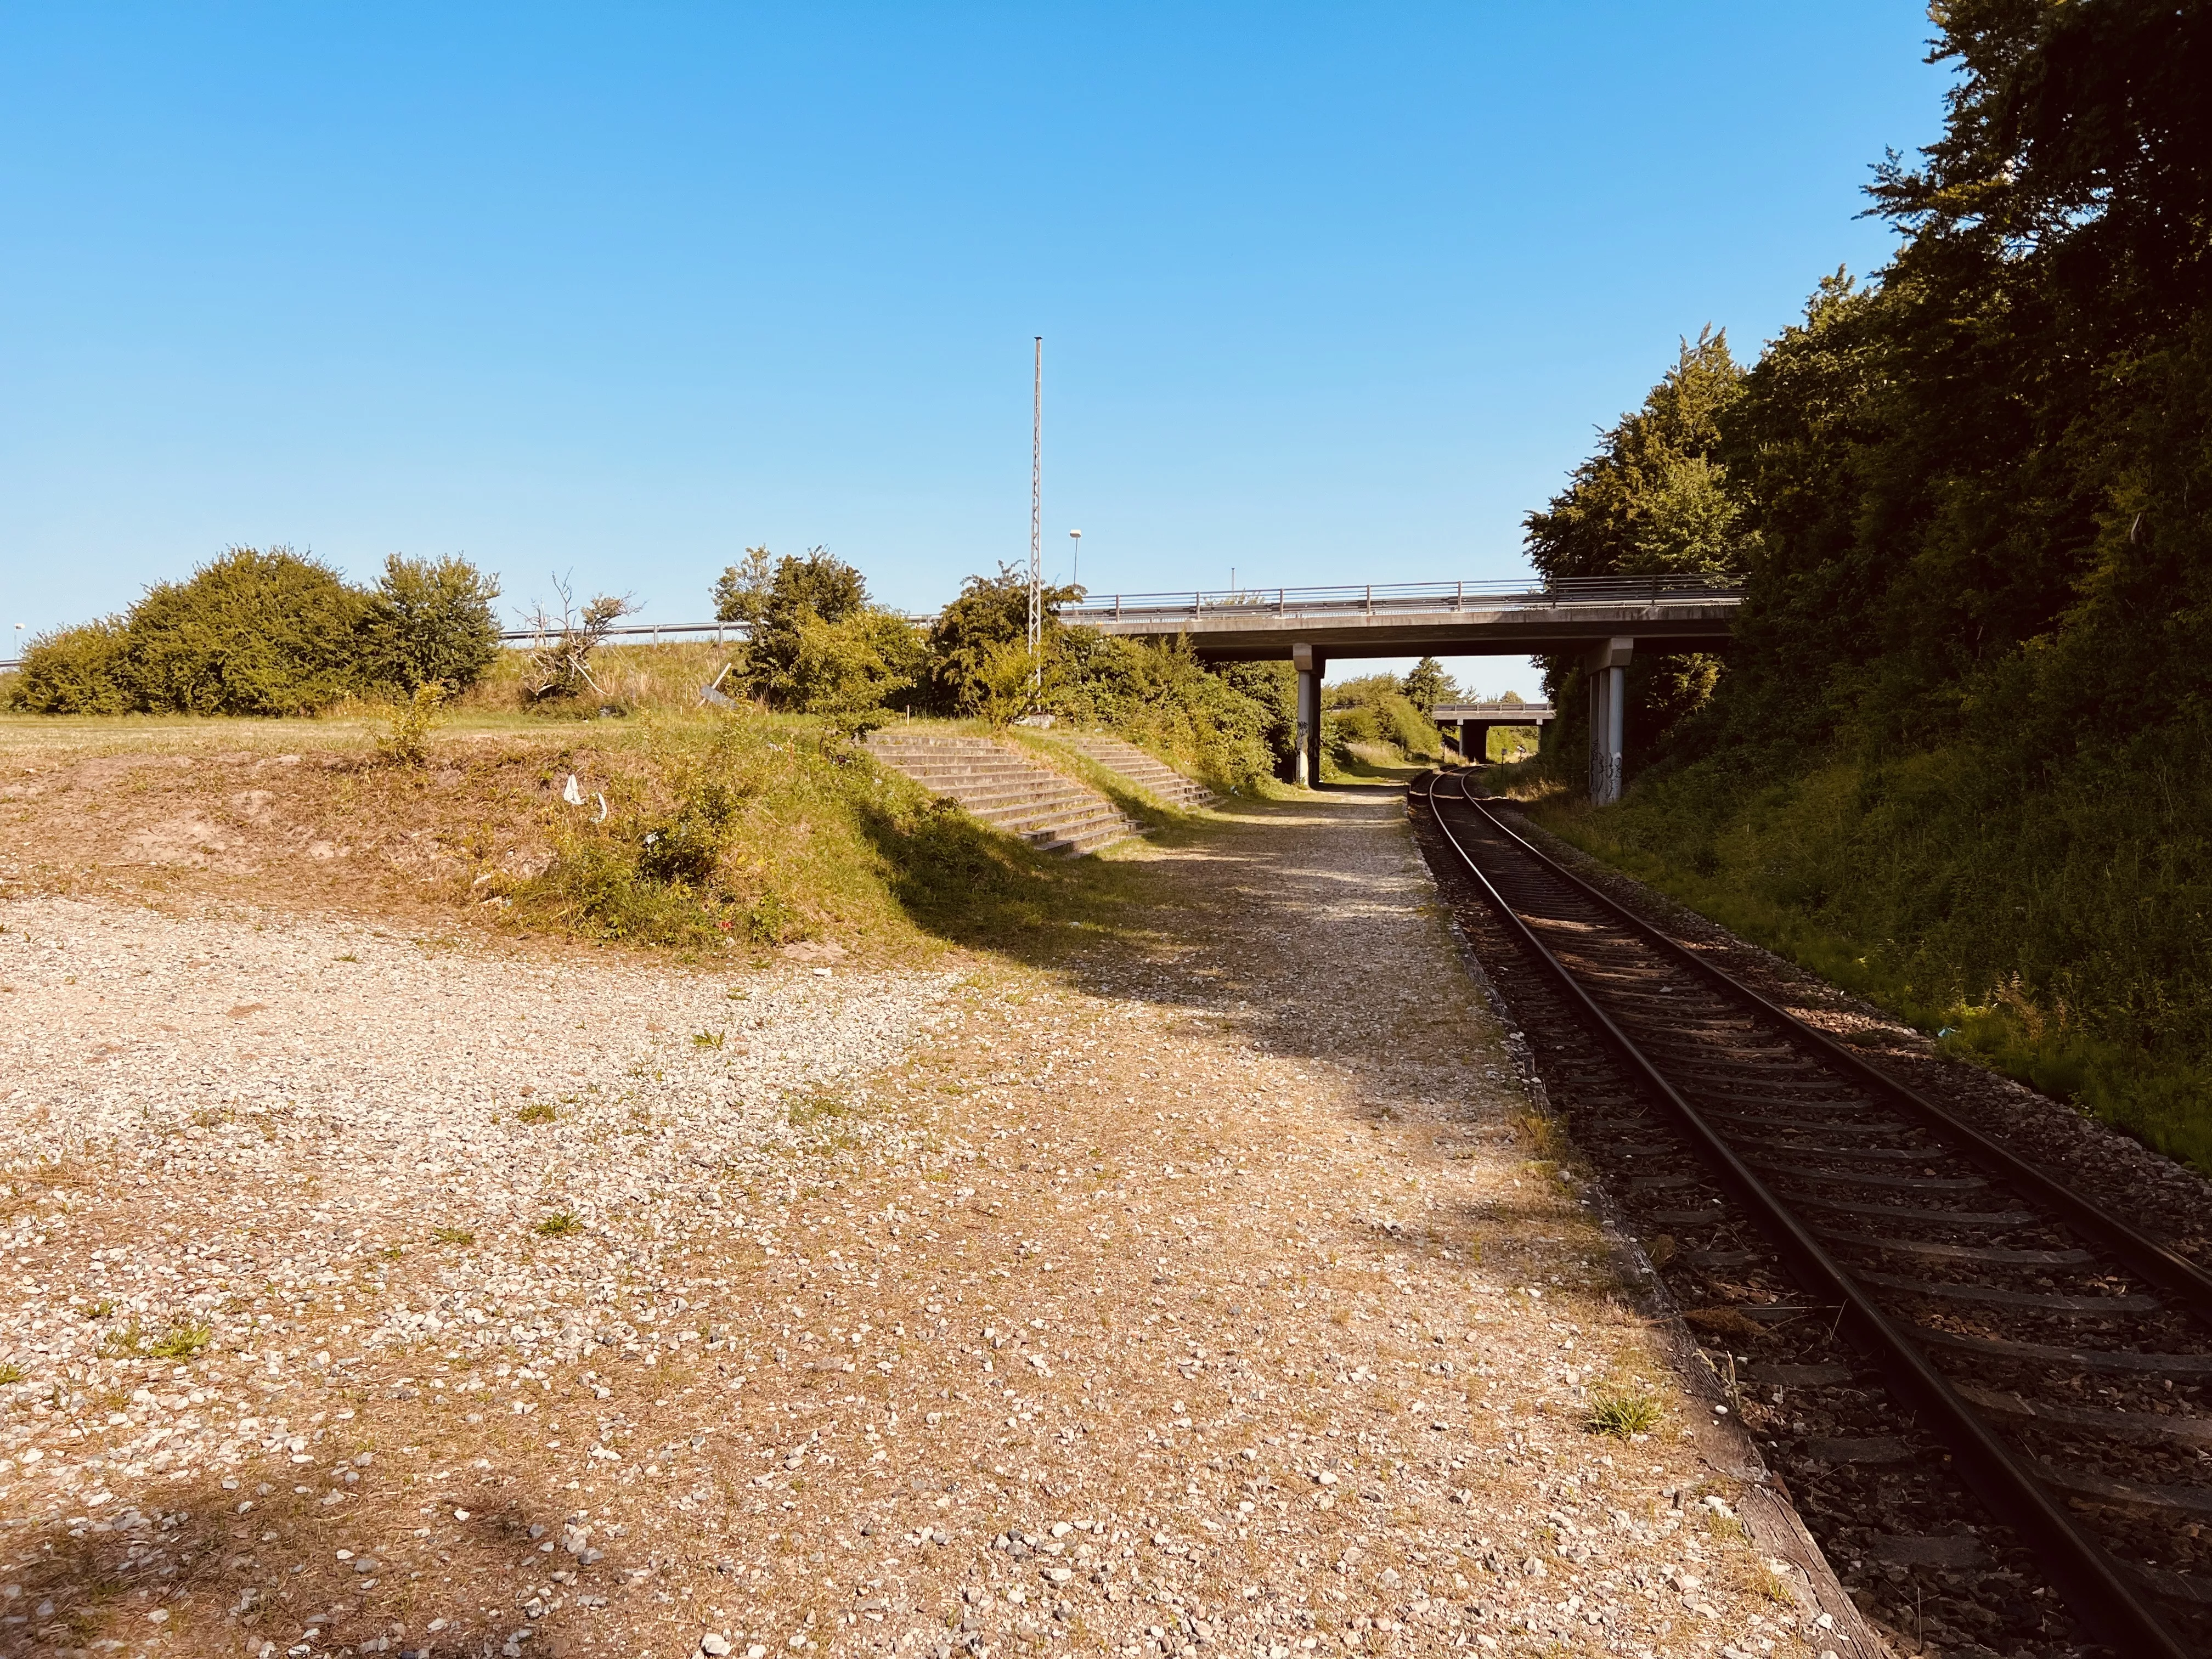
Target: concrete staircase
column 1155, row 777
column 1006, row 790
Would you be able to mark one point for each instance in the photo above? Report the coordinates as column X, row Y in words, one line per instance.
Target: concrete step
column 1006, row 790
column 1147, row 771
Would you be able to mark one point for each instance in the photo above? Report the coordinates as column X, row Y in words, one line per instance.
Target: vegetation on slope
column 1959, row 757
column 268, row 633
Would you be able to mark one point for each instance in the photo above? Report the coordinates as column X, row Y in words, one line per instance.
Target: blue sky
column 1327, row 294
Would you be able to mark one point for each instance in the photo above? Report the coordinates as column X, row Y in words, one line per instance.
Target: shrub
column 815, row 644
column 429, row 622
column 853, row 666
column 1374, row 708
column 406, row 742
column 1233, row 726
column 83, row 669
column 559, row 666
column 683, row 849
column 1623, row 1415
column 974, row 640
column 251, row 633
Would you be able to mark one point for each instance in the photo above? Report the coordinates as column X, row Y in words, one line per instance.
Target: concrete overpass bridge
column 1473, row 722
column 1603, row 620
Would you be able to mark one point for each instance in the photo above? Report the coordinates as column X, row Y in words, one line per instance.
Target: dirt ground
column 375, row 1294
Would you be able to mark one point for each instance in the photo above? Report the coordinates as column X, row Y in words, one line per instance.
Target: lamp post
column 1075, row 569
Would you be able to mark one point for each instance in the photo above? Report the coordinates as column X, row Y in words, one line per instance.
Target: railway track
column 1986, row 1393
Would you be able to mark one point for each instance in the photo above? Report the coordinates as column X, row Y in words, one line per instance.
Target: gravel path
column 1205, row 1296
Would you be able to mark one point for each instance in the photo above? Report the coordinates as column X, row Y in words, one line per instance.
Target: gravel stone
column 1206, row 1290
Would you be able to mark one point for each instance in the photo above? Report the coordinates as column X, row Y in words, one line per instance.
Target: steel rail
column 2144, row 1256
column 2097, row 1588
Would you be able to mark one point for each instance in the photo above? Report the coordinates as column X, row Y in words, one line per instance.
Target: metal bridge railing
column 1533, row 713
column 1379, row 598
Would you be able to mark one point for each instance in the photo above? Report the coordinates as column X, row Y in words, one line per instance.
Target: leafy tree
column 251, row 633
column 1427, row 684
column 815, row 643
column 1963, row 735
column 970, row 641
column 1654, row 496
column 766, row 591
column 429, row 622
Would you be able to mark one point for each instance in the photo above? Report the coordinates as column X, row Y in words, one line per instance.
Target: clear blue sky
column 1327, row 294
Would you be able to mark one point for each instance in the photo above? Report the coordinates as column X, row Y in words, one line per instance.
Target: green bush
column 83, row 669
column 268, row 632
column 816, row 645
column 251, row 633
column 971, row 643
column 1232, row 727
column 1374, row 708
column 429, row 623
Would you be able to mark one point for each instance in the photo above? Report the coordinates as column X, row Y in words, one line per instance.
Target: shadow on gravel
column 200, row 1568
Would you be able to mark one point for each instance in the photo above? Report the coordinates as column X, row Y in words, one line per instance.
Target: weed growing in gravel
column 405, row 741
column 813, row 1108
column 706, row 1039
column 1547, row 1141
column 182, row 1341
column 390, row 1253
column 126, row 1343
column 452, row 1235
column 1623, row 1415
column 536, row 1112
column 100, row 1309
column 559, row 1224
column 11, row 1372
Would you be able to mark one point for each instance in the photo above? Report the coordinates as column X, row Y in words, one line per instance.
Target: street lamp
column 1076, row 559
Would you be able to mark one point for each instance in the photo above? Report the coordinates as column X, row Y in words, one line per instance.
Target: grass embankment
column 727, row 836
column 2055, row 930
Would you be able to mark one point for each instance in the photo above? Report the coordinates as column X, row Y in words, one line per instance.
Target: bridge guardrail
column 1382, row 598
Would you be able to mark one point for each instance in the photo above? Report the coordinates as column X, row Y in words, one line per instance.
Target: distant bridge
column 1475, row 720
column 1405, row 619
column 1601, row 620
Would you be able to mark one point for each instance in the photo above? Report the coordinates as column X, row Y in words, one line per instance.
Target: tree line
column 1965, row 727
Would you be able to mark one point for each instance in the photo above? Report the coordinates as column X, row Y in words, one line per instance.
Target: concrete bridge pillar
column 1473, row 755
column 1310, row 665
column 1606, row 673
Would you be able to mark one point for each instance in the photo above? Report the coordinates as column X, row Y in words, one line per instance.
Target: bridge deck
column 1493, row 713
column 1435, row 618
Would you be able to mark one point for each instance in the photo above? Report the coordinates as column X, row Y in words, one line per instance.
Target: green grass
column 452, row 1235
column 1623, row 1415
column 537, row 1111
column 181, row 1342
column 11, row 1372
column 802, row 837
column 559, row 1224
column 2054, row 928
